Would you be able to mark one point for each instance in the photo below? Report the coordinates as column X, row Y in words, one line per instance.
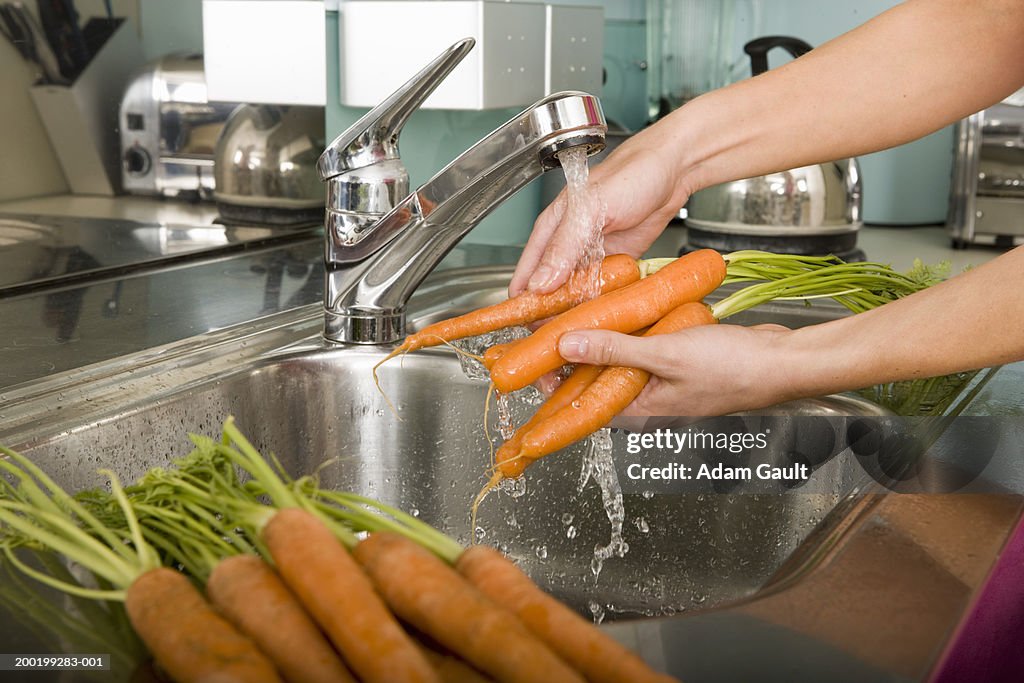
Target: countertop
column 60, row 328
column 893, row 244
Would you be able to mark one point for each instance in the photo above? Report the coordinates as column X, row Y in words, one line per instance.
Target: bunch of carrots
column 657, row 296
column 313, row 585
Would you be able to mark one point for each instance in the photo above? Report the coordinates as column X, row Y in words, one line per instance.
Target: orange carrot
column 605, row 397
column 616, row 271
column 186, row 636
column 340, row 597
column 252, row 596
column 492, row 354
column 578, row 642
column 688, row 278
column 431, row 596
column 452, row 669
column 509, row 465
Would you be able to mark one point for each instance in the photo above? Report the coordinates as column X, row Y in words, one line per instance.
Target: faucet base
column 353, row 328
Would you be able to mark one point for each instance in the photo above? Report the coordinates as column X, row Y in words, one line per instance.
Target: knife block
column 81, row 119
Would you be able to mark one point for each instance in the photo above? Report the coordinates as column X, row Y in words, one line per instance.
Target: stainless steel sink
column 312, row 404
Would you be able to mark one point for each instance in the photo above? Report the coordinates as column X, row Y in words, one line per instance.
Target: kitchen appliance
column 987, row 192
column 265, row 165
column 808, row 210
column 169, row 129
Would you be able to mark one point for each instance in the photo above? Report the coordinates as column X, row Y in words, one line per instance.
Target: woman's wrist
column 823, row 359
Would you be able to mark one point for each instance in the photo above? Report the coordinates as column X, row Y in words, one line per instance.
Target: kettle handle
column 759, row 48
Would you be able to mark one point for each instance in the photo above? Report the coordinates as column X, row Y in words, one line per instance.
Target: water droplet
column 648, row 495
column 567, row 519
column 597, row 611
column 414, row 512
column 542, row 552
column 641, row 524
column 570, row 532
column 514, row 487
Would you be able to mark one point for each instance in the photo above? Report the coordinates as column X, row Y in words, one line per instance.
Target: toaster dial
column 137, row 161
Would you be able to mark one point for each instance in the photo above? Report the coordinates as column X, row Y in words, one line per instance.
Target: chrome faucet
column 382, row 241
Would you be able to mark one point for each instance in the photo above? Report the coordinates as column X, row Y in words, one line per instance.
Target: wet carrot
column 340, row 597
column 493, row 353
column 509, row 464
column 617, row 271
column 578, row 642
column 507, row 461
column 186, row 635
column 688, row 278
column 252, row 596
column 605, row 397
column 431, row 596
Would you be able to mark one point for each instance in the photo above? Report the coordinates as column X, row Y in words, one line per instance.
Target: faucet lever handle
column 374, row 137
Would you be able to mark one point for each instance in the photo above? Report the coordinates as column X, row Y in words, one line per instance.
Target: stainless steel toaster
column 987, row 191
column 169, row 129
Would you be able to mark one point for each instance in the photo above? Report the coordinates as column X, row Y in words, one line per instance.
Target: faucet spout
column 370, row 279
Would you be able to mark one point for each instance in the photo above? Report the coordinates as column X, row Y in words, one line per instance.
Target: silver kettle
column 809, row 210
column 264, row 165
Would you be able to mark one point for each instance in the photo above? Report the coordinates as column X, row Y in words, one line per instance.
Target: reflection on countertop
column 65, row 327
column 38, row 250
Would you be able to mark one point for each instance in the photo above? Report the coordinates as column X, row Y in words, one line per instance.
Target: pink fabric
column 989, row 647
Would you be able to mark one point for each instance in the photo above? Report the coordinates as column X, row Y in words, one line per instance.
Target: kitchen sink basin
column 835, row 576
column 317, row 408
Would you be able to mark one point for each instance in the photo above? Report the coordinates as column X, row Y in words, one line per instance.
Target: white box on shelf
column 574, row 49
column 265, row 51
column 81, row 118
column 385, row 42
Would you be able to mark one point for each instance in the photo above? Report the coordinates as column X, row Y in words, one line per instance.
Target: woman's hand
column 640, row 192
column 709, row 370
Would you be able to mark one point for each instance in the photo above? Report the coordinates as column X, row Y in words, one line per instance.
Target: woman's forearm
column 910, row 71
column 971, row 321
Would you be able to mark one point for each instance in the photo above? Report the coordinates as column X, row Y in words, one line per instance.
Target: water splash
column 599, row 466
column 583, row 222
column 515, row 488
column 476, row 346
